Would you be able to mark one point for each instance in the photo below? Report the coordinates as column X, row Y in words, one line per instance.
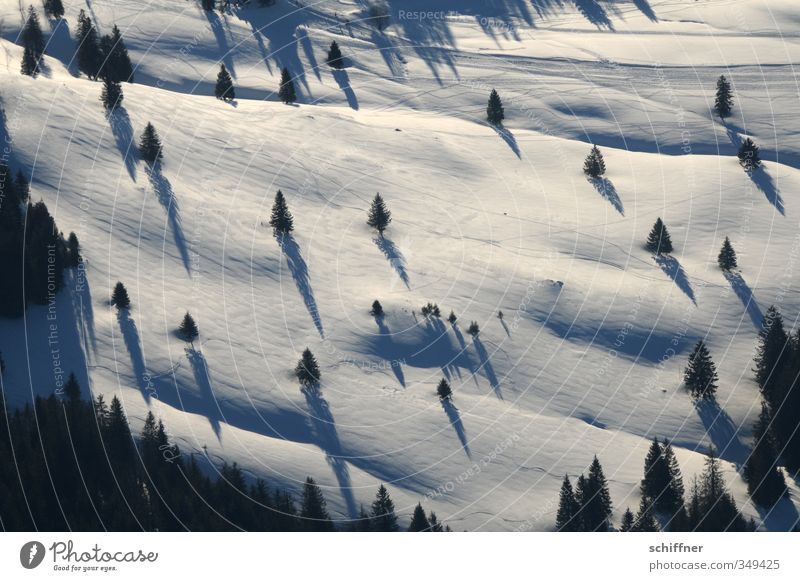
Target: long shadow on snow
column 486, row 366
column 78, row 282
column 133, row 343
column 782, row 517
column 299, row 269
column 454, row 415
column 673, row 269
column 166, row 197
column 745, row 294
column 645, row 8
column 61, row 45
column 343, row 80
column 394, row 256
column 222, row 42
column 396, row 366
column 308, row 50
column 606, row 188
column 203, row 379
column 722, row 431
column 122, row 130
column 594, row 13
column 764, row 182
column 509, row 138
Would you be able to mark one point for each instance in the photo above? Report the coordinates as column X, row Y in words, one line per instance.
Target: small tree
column 444, row 391
column 74, row 257
column 31, row 35
column 286, row 91
column 120, row 299
column 645, row 522
column 724, row 100
column 419, row 521
column 377, row 309
column 224, row 88
column 748, row 155
column 595, row 165
column 111, row 95
column 765, row 483
column 473, row 329
column 30, row 64
column 383, row 517
column 335, row 59
column 281, row 218
column 88, row 52
column 700, row 376
column 313, row 508
column 188, row 329
column 307, row 370
column 494, row 110
column 567, row 515
column 727, row 256
column 452, row 318
column 54, row 8
column 150, row 145
column 627, row 521
column 379, row 216
column 659, row 241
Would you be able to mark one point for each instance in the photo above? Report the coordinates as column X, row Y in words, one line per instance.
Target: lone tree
column 444, row 391
column 119, row 298
column 567, row 515
column 700, row 376
column 30, row 64
column 286, row 92
column 307, row 370
column 723, row 104
column 335, row 59
column 379, row 216
column 54, row 8
column 473, row 329
column 224, row 88
column 494, row 110
column 188, row 329
column 765, row 482
column 150, row 145
column 281, row 218
column 111, row 95
column 748, row 155
column 594, row 166
column 377, row 309
column 727, row 256
column 659, row 241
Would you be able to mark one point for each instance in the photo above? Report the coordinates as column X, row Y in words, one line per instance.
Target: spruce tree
column 88, row 52
column 657, row 478
column 567, row 518
column 627, row 521
column 150, row 145
column 671, row 501
column 727, row 256
column 596, row 500
column 700, row 376
column 54, row 8
column 116, row 63
column 313, row 509
column 224, row 88
column 383, row 518
column 474, row 329
column 30, row 64
column 307, row 370
column 281, row 219
column 286, row 91
column 715, row 508
column 335, row 59
column 72, row 389
column 595, row 165
column 765, row 482
column 31, row 35
column 494, row 110
column 659, row 241
column 119, row 298
column 188, row 329
column 44, row 256
column 771, row 357
column 379, row 216
column 444, row 391
column 748, row 155
column 724, row 100
column 377, row 309
column 452, row 318
column 419, row 522
column 645, row 522
column 74, row 257
column 111, row 95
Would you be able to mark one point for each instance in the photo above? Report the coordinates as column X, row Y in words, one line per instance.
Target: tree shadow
column 782, row 517
column 673, row 269
column 594, row 13
column 327, row 437
column 505, row 328
column 721, row 430
column 645, row 8
column 454, row 415
column 508, row 137
column 222, row 41
column 606, row 188
column 299, row 269
column 203, row 379
column 166, row 197
column 82, row 305
column 390, row 54
column 397, row 369
column 133, row 343
column 487, row 367
column 61, row 46
column 764, row 182
column 745, row 294
column 122, row 130
column 394, row 256
column 308, row 50
column 343, row 80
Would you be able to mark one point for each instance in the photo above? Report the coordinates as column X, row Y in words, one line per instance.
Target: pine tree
column 286, row 92
column 44, row 256
column 335, row 59
column 419, row 522
column 659, row 241
column 494, row 110
column 307, row 370
column 281, row 219
column 724, row 100
column 31, row 35
column 88, row 52
column 771, row 357
column 30, row 64
column 74, row 257
column 224, row 88
column 595, row 499
column 671, row 502
column 383, row 518
column 120, row 299
column 645, row 522
column 567, row 519
column 595, row 165
column 72, row 389
column 150, row 145
column 444, row 391
column 727, row 256
column 657, row 477
column 714, row 509
column 379, row 216
column 377, row 309
column 748, row 155
column 54, row 8
column 452, row 318
column 116, row 63
column 627, row 521
column 765, row 482
column 700, row 376
column 313, row 508
column 473, row 329
column 188, row 329
column 111, row 95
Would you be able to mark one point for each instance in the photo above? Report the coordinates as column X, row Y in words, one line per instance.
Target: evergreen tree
column 671, row 501
column 313, row 509
column 657, row 478
column 224, row 88
column 473, row 329
column 88, row 52
column 494, row 110
column 596, row 500
column 383, row 516
column 645, row 522
column 727, row 256
column 714, row 509
column 72, row 389
column 44, row 257
column 567, row 519
column 724, row 100
column 31, row 35
column 286, row 92
column 119, row 297
column 379, row 216
column 335, row 59
column 700, row 376
column 307, row 370
column 659, row 241
column 436, row 526
column 111, row 95
column 54, row 8
column 444, row 391
column 116, row 63
column 771, row 357
column 30, row 64
column 595, row 165
column 150, row 145
column 22, row 187
column 627, row 521
column 419, row 522
column 452, row 318
column 74, row 257
column 188, row 330
column 377, row 309
column 281, row 219
column 765, row 482
column 748, row 155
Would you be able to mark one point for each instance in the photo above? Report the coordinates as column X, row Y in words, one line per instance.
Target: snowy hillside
column 590, row 354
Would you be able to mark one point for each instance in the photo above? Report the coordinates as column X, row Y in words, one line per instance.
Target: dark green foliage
column 377, row 309
column 45, row 255
column 281, row 218
column 313, row 511
column 54, row 8
column 700, row 376
column 111, row 95
column 567, row 519
column 224, row 88
column 723, row 103
column 286, row 91
column 595, row 165
column 627, row 521
column 494, row 110
column 307, row 370
column 188, row 330
column 383, row 518
column 119, row 297
column 150, row 145
column 444, row 391
column 658, row 240
column 662, row 485
column 419, row 522
column 727, row 256
column 379, row 216
column 115, row 61
column 748, row 155
column 452, row 318
column 31, row 35
column 335, row 59
column 473, row 329
column 88, row 52
column 594, row 499
column 645, row 522
column 30, row 64
column 765, row 482
column 711, row 507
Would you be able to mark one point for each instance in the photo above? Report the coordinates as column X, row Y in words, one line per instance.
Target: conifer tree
column 54, row 8
column 383, row 518
column 74, row 257
column 119, row 298
column 714, row 509
column 313, row 509
column 281, row 219
column 700, row 376
column 335, row 59
column 31, row 35
column 627, row 521
column 595, row 165
column 723, row 103
column 30, row 64
column 659, row 241
column 671, row 502
column 473, row 329
column 645, row 522
column 88, row 52
column 111, row 95
column 765, row 482
column 286, row 91
column 224, row 88
column 150, row 145
column 727, row 256
column 452, row 318
column 116, row 63
column 377, row 309
column 45, row 255
column 444, row 391
column 419, row 522
column 494, row 110
column 22, row 187
column 188, row 329
column 379, row 216
column 771, row 357
column 72, row 389
column 595, row 500
column 567, row 518
column 657, row 477
column 307, row 370
column 748, row 155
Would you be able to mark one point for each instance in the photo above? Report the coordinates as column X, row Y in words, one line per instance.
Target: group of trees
column 587, row 508
column 282, row 222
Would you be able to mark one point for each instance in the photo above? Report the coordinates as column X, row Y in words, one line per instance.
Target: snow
column 589, row 356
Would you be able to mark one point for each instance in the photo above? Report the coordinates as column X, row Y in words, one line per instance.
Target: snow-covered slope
column 589, row 356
